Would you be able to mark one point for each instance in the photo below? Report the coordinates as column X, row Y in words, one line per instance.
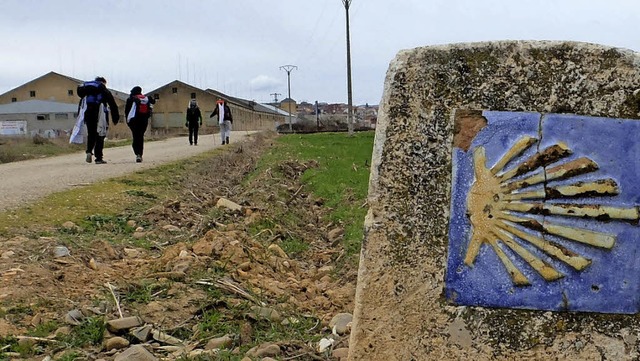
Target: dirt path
column 27, row 181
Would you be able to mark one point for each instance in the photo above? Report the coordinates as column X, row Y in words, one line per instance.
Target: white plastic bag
column 76, row 134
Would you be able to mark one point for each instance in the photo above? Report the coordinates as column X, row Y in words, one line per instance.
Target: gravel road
column 27, row 181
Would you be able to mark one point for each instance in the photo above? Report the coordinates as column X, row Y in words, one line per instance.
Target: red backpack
column 142, row 108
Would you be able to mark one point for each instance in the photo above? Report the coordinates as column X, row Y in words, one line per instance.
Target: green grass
column 216, row 324
column 261, row 225
column 143, row 292
column 17, row 149
column 69, row 356
column 44, row 329
column 89, row 332
column 26, row 349
column 268, row 331
column 9, row 344
column 293, row 247
column 342, row 178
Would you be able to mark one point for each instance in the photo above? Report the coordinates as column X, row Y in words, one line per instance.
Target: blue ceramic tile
column 610, row 282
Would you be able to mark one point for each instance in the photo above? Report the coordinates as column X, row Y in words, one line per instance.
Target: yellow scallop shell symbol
column 503, row 204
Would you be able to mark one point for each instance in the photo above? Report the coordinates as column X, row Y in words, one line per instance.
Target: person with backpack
column 194, row 120
column 95, row 96
column 224, row 119
column 138, row 110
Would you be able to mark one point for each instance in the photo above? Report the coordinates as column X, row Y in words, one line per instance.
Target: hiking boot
column 100, row 161
column 227, row 140
column 88, row 159
column 138, row 159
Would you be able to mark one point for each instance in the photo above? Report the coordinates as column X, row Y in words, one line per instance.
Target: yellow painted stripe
column 518, row 147
column 585, row 236
column 518, row 278
column 545, row 270
column 575, row 261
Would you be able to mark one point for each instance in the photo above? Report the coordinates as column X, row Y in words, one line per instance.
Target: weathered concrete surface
column 401, row 313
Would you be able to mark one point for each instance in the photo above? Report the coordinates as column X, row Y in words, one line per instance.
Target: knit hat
column 136, row 90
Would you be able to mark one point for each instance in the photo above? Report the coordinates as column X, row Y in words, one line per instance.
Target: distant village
column 48, row 105
column 334, row 115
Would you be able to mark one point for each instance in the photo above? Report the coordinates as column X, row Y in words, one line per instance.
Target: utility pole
column 317, row 117
column 346, row 4
column 275, row 97
column 288, row 69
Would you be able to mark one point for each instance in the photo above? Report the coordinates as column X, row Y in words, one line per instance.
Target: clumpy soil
column 277, row 250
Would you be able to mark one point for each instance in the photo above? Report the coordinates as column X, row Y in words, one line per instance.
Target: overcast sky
column 238, row 46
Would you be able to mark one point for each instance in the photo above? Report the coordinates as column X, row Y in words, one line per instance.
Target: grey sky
column 237, row 46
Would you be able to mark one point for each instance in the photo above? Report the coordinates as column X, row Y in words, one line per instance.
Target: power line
column 310, row 41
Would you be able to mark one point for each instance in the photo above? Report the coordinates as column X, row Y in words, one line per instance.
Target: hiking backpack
column 192, row 113
column 90, row 90
column 142, row 106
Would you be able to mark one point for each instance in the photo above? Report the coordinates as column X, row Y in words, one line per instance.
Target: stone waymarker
column 434, row 282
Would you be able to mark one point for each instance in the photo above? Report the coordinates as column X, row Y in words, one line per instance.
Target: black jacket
column 227, row 112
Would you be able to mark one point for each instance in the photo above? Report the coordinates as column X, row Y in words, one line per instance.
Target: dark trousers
column 95, row 143
column 193, row 132
column 138, row 127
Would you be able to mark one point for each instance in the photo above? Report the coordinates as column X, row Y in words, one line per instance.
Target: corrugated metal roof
column 37, row 106
column 274, row 109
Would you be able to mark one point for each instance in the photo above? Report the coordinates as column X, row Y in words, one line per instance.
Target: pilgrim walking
column 194, row 121
column 138, row 110
column 95, row 103
column 225, row 119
